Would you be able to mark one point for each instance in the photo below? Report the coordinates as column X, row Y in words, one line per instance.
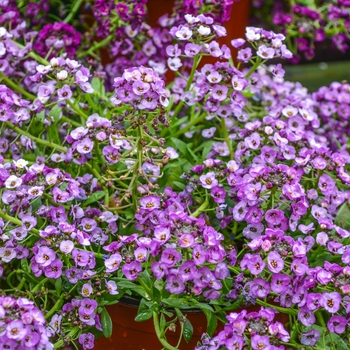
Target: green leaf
column 329, row 340
column 180, row 185
column 343, row 217
column 176, row 303
column 144, row 275
column 55, row 113
column 106, row 323
column 24, row 265
column 144, row 312
column 41, row 116
column 97, row 85
column 58, row 286
column 179, row 145
column 186, row 325
column 212, row 321
column 192, row 153
column 234, row 305
column 134, row 287
column 188, row 330
column 207, row 149
column 94, row 197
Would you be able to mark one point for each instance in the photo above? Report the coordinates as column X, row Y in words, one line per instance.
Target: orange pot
column 132, row 335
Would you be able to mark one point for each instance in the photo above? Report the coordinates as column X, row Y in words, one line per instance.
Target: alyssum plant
column 220, row 189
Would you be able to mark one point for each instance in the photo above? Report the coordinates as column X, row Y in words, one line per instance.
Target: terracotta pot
column 129, row 334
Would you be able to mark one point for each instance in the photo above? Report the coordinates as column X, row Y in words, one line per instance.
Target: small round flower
column 13, row 182
column 306, row 317
column 208, row 180
column 260, row 288
column 87, row 341
column 310, row 338
column 275, row 262
column 337, row 324
column 331, row 301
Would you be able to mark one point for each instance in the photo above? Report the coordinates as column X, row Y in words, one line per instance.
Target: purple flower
column 54, row 270
column 170, row 257
column 111, row 287
column 45, row 256
column 208, row 180
column 260, row 288
column 218, row 193
column 331, row 301
column 260, row 342
column 265, row 52
column 132, row 270
column 113, row 262
column 255, row 264
column 337, row 324
column 85, row 146
column 86, row 290
column 306, row 317
column 280, row 282
column 275, row 262
column 184, row 33
column 65, row 93
column 326, row 184
column 87, row 339
column 174, row 284
column 310, row 338
column 192, row 49
column 15, row 330
column 150, row 202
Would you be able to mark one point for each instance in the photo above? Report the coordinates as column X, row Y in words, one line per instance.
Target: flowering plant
column 307, row 24
column 221, row 188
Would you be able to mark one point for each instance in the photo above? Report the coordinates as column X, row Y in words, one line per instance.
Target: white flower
column 13, row 182
column 62, row 75
column 20, row 163
column 204, row 30
column 43, row 69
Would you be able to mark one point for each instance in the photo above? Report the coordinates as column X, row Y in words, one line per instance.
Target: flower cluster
column 22, row 324
column 308, row 26
column 260, row 328
column 57, row 37
column 228, row 188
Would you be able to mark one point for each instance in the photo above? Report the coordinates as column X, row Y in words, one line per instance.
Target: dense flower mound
column 187, row 254
column 309, row 26
column 261, row 328
column 53, row 38
column 224, row 189
column 332, row 105
column 22, row 325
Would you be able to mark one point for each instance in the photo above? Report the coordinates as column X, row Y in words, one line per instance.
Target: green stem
column 96, row 46
column 36, row 139
column 200, row 209
column 73, row 10
column 39, row 284
column 16, row 221
column 57, row 306
column 188, row 85
column 96, row 173
column 255, row 66
column 320, row 319
column 278, row 308
column 226, row 137
column 163, row 341
column 16, row 87
column 189, row 125
column 77, row 110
